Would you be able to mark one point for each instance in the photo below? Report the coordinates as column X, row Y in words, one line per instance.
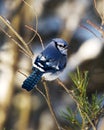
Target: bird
column 48, row 64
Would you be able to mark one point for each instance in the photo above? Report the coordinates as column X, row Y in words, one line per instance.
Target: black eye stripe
column 55, row 43
column 61, row 45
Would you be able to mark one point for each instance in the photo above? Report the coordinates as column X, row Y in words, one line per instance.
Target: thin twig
column 47, row 98
column 30, row 28
column 23, row 50
column 23, row 73
column 50, row 105
column 89, row 30
column 34, row 11
column 78, row 104
column 100, row 29
column 42, row 93
column 17, row 35
column 70, row 92
column 94, row 128
column 83, row 120
column 60, row 128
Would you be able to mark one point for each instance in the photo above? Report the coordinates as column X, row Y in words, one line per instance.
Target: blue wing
column 51, row 60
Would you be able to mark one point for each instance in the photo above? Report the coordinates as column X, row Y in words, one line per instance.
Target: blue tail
column 32, row 80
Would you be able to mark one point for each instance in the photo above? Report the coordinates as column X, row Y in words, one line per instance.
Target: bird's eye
column 61, row 46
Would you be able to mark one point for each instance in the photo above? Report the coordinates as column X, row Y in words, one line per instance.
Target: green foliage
column 72, row 118
column 88, row 109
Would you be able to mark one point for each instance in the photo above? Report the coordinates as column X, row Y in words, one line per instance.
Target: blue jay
column 48, row 64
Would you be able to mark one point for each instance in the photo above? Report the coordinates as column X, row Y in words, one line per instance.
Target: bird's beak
column 67, row 47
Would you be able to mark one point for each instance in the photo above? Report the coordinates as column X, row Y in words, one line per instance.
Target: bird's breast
column 49, row 76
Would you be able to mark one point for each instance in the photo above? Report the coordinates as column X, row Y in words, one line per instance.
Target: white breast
column 50, row 76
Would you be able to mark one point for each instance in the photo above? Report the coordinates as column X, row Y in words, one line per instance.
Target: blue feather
column 49, row 63
column 32, row 80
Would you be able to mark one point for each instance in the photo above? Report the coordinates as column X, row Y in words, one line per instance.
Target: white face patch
column 62, row 49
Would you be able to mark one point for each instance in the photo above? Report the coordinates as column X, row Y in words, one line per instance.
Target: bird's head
column 61, row 45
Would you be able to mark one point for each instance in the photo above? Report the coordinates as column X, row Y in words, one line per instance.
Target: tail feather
column 32, row 80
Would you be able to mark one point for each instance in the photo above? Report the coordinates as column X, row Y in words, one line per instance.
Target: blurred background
column 21, row 110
